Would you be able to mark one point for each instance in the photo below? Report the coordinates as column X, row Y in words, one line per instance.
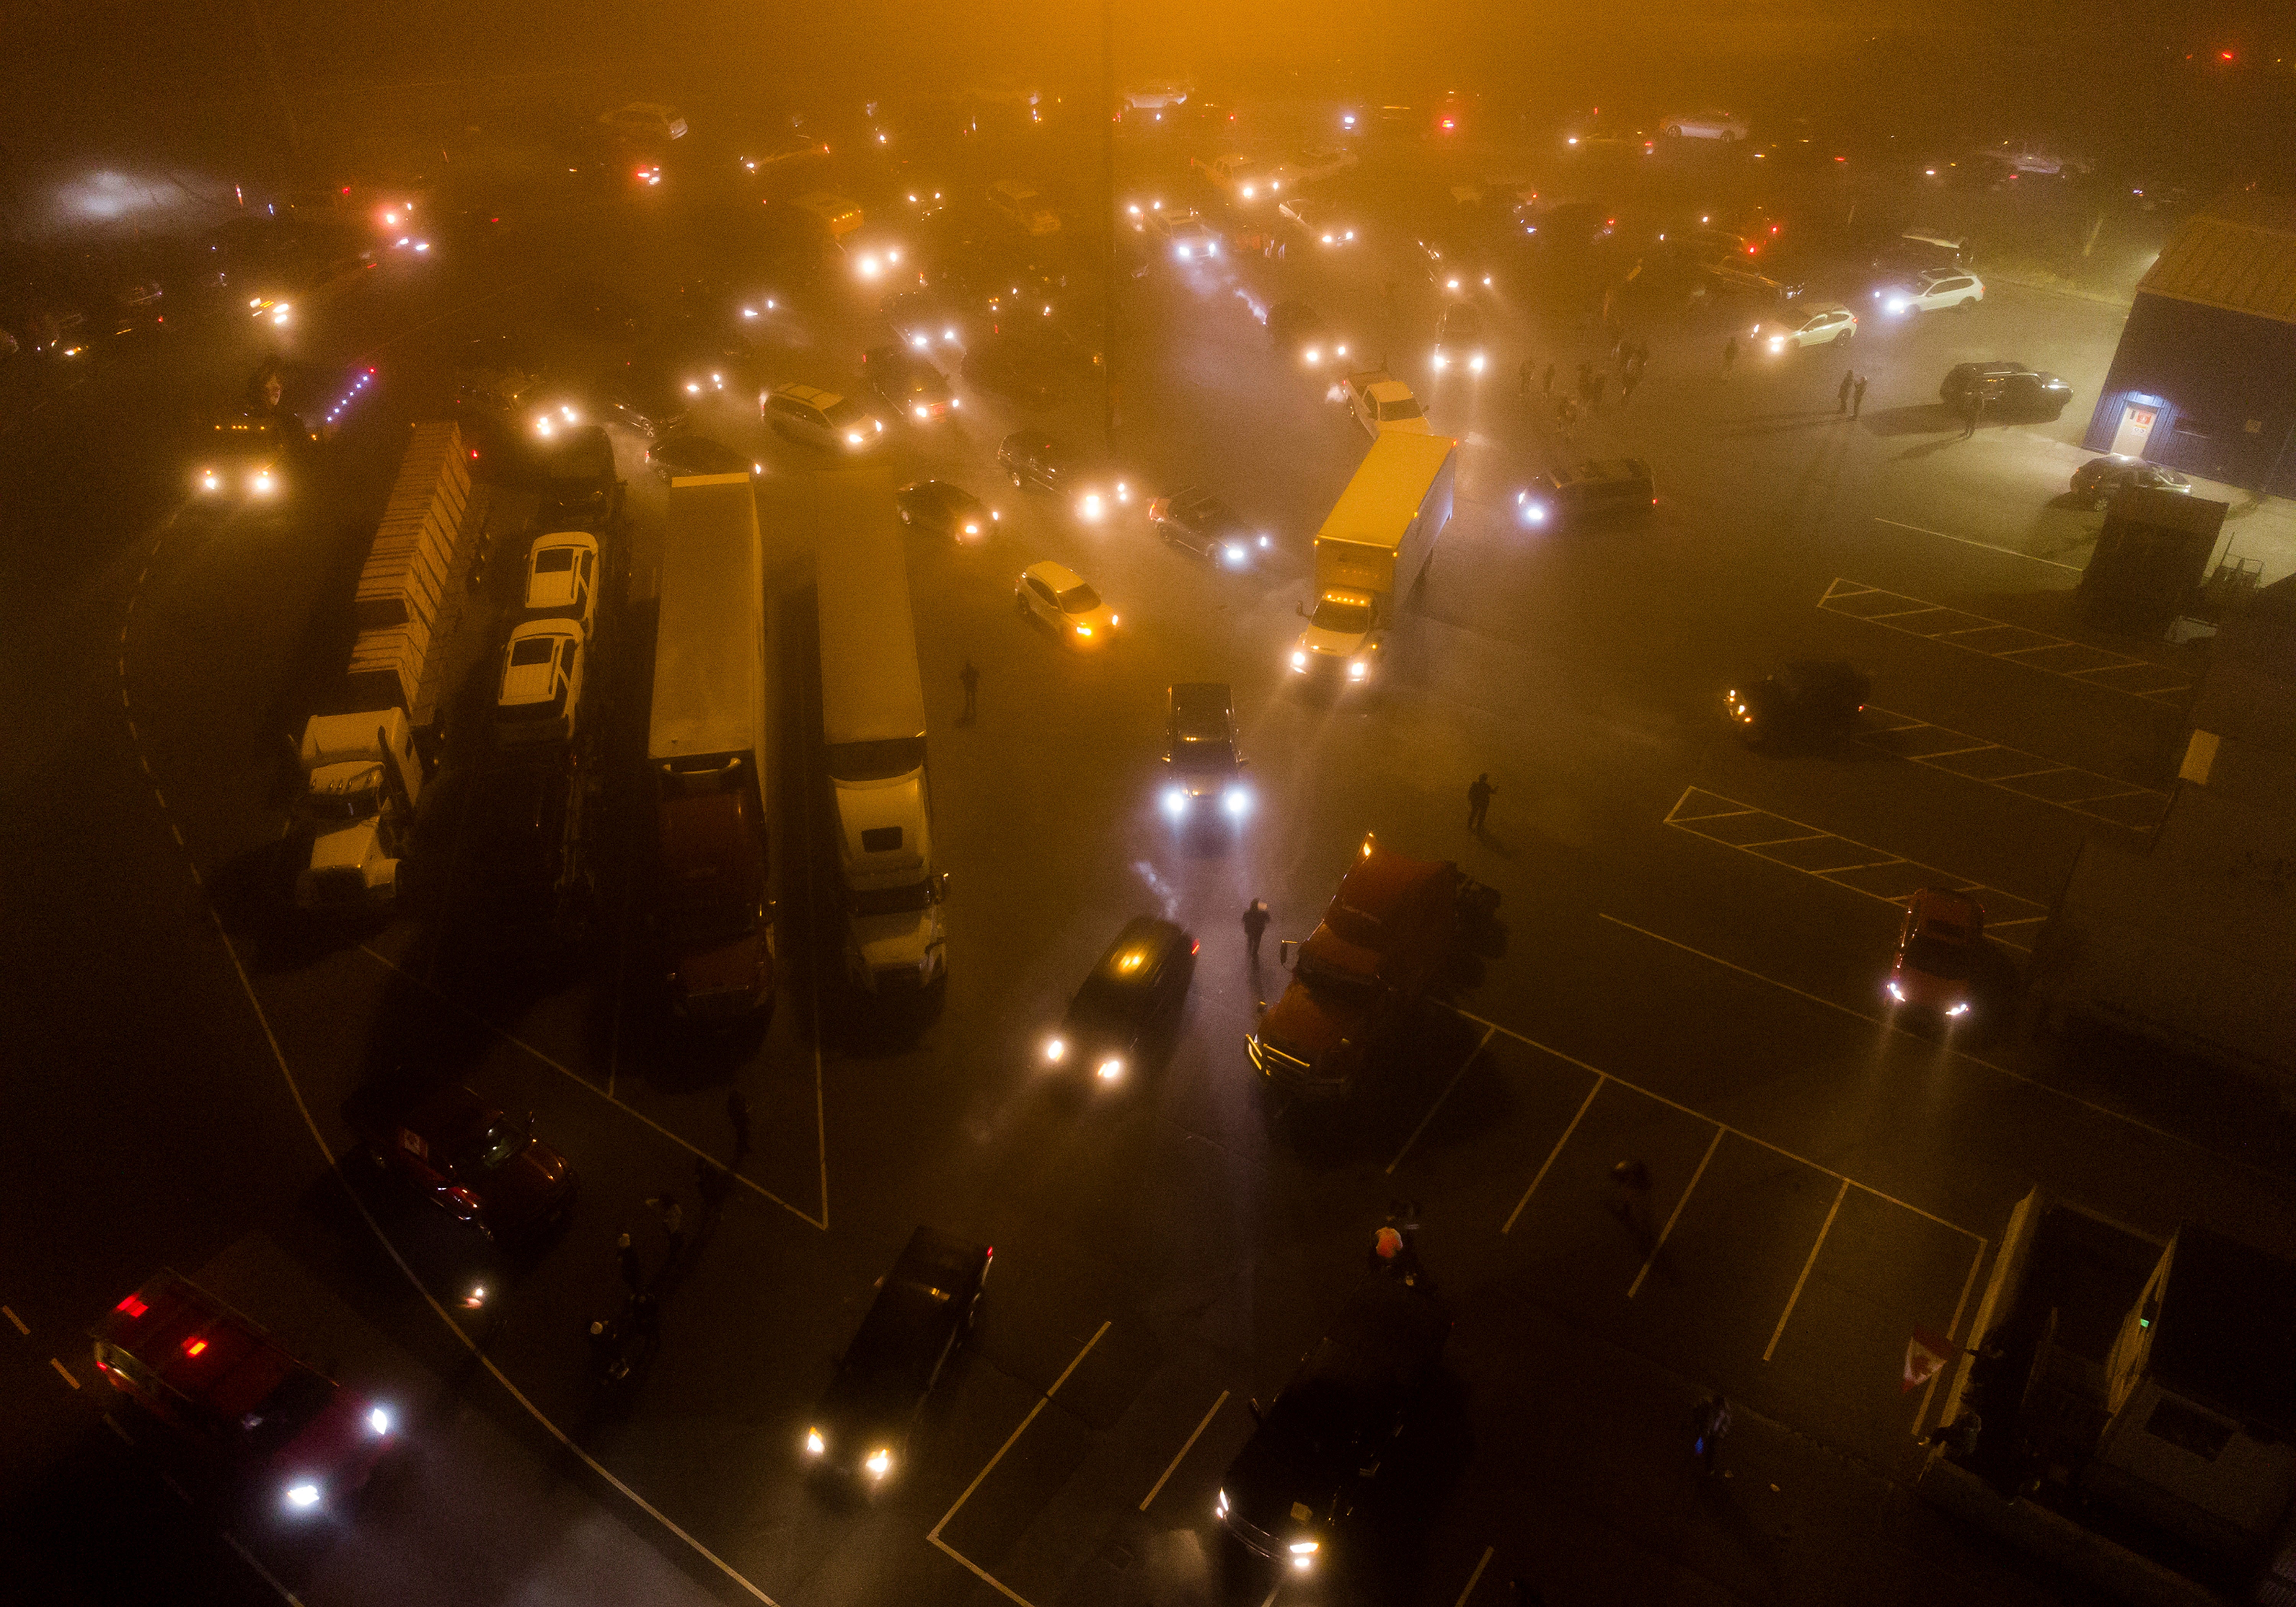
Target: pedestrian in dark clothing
column 712, row 1182
column 633, row 1266
column 1729, row 353
column 1642, row 353
column 737, row 1112
column 969, row 679
column 1841, row 396
column 1521, row 389
column 1626, row 386
column 642, row 1322
column 1712, row 1422
column 1546, row 384
column 1972, row 409
column 673, row 1225
column 1857, row 399
column 1479, row 793
column 1255, row 927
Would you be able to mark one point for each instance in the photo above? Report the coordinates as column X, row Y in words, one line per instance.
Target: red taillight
column 192, row 1346
column 133, row 1305
column 1193, row 946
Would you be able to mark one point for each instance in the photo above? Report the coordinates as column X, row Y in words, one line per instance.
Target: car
column 920, row 320
column 1157, row 95
column 466, row 1156
column 579, row 486
column 1136, row 987
column 1380, row 401
column 648, row 406
column 1730, row 272
column 679, row 456
column 1092, row 487
column 1195, row 521
column 2100, row 478
column 1831, row 325
column 198, row 1365
column 822, row 418
column 1940, row 950
column 1928, row 292
column 1597, row 489
column 1313, row 164
column 909, row 385
column 1316, row 1447
column 923, row 1309
column 540, row 695
column 1022, row 371
column 1020, row 206
column 1458, row 339
column 2005, row 387
column 1055, row 596
column 1200, row 745
column 645, row 121
column 782, row 148
column 1724, row 126
column 1294, row 327
column 1317, row 221
column 1189, row 237
column 1452, row 269
column 562, row 577
column 944, row 509
column 1810, row 702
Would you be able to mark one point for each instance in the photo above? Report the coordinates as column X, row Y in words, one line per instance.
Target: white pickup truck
column 1381, row 403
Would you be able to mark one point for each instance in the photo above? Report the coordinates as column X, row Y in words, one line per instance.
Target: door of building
column 2136, row 421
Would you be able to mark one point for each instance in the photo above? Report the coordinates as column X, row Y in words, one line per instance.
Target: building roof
column 2239, row 255
column 2227, row 1320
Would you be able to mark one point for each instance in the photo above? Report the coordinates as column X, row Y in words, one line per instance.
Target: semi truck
column 706, row 745
column 362, row 783
column 1373, row 549
column 872, row 724
column 1383, row 938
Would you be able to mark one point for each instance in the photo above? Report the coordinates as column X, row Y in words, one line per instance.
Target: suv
column 1191, row 238
column 1938, row 950
column 1380, row 401
column 1808, row 701
column 1091, row 487
column 1194, row 520
column 2006, row 387
column 822, row 418
column 1318, row 222
column 923, row 1309
column 541, row 689
column 1320, row 1442
column 1459, row 340
column 1831, row 325
column 1138, row 985
column 1057, row 596
column 1200, row 745
column 645, row 121
column 580, row 486
column 1593, row 490
column 908, row 385
column 472, row 1161
column 562, row 577
column 1926, row 293
column 195, row 1364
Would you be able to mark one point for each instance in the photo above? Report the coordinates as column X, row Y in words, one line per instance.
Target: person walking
column 1857, row 399
column 1712, row 1422
column 1631, row 1205
column 673, row 1225
column 1522, row 377
column 969, row 679
column 1546, row 384
column 1255, row 927
column 1972, row 409
column 1480, row 793
column 1634, row 377
column 1729, row 353
column 737, row 1112
column 632, row 1264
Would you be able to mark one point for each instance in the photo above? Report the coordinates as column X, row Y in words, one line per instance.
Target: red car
column 1938, row 953
column 475, row 1162
column 195, row 1363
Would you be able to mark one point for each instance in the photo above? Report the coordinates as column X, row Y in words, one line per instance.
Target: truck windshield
column 281, row 1415
column 340, row 809
column 1348, row 619
column 1934, row 956
column 1324, row 979
column 876, row 761
column 892, row 901
column 1405, row 409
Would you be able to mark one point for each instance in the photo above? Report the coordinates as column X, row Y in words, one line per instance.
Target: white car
column 1314, row 164
column 1382, row 402
column 1192, row 238
column 541, row 683
column 1317, row 221
column 1927, row 292
column 1055, row 596
column 645, row 119
column 1023, row 208
column 562, row 577
column 1817, row 326
column 1723, row 126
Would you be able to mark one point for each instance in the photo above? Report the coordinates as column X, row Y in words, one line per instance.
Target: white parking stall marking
column 2099, row 797
column 1474, row 1579
column 64, row 1372
column 1172, row 1467
column 1439, row 1098
column 1675, row 1214
column 1794, row 1298
column 1989, row 547
column 1541, row 1175
column 1993, row 638
column 18, row 1322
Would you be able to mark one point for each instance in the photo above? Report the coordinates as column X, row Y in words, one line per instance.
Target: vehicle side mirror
column 1284, row 948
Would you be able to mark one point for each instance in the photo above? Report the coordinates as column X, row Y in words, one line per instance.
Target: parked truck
column 1373, row 549
column 362, row 783
column 1381, row 943
column 707, row 744
column 872, row 720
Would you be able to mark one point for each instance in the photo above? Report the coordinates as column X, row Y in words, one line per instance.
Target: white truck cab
column 362, row 781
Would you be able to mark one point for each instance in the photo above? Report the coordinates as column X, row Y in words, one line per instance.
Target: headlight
column 1236, row 801
column 1180, row 251
column 1236, row 552
column 377, row 1421
column 1778, row 342
column 1300, row 658
column 1358, row 670
column 1534, row 513
column 262, row 483
column 1960, row 1009
column 1339, row 351
column 1054, row 1049
column 1089, row 505
column 1441, row 362
column 1175, row 801
column 1313, row 356
column 1221, row 1505
column 212, row 481
column 303, row 1497
column 1895, row 991
column 852, row 437
column 879, row 1463
column 1111, row 1069
column 1475, row 362
column 814, row 1445
column 956, row 401
column 972, row 529
column 920, row 412
column 881, row 425
column 1084, row 630
column 1303, row 1548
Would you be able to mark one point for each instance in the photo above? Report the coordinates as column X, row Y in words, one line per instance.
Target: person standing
column 969, row 679
column 1595, row 392
column 1973, row 408
column 1522, row 379
column 1729, row 353
column 1480, row 793
column 1841, row 396
column 1633, row 377
column 1712, row 1422
column 673, row 1223
column 1857, row 399
column 1255, row 927
column 737, row 1112
column 633, row 1266
column 1546, row 384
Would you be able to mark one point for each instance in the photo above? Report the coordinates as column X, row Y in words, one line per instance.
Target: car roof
column 1137, row 952
column 1058, row 575
column 1830, row 307
column 1936, row 904
column 814, row 394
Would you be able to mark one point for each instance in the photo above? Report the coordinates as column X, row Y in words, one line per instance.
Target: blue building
column 2205, row 379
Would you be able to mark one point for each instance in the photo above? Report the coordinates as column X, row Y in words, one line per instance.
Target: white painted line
column 1675, row 1214
column 18, row 1322
column 1600, row 1078
column 1771, row 1348
column 262, row 1573
column 1989, row 547
column 111, row 1423
column 1438, row 1105
column 181, row 1494
column 1859, row 865
column 1156, row 1488
column 63, row 1371
column 1269, row 1599
column 1771, row 842
column 1474, row 1577
column 1013, row 1439
column 1717, row 815
column 1973, row 748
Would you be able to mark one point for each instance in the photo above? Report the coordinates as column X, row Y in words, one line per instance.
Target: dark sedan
column 1809, row 702
column 2005, row 388
column 1136, row 987
column 1195, row 521
column 909, row 385
column 944, row 509
column 2099, row 477
column 923, row 1309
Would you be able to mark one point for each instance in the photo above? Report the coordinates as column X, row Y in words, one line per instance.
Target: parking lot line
column 1438, row 1105
column 1474, row 1579
column 1993, row 638
column 1600, row 1078
column 1011, row 1440
column 1172, row 1467
column 63, row 1371
column 1973, row 759
column 1675, row 1214
column 1888, row 878
column 1989, row 547
column 1793, row 1298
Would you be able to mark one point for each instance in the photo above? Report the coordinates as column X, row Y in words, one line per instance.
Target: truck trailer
column 1373, row 549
